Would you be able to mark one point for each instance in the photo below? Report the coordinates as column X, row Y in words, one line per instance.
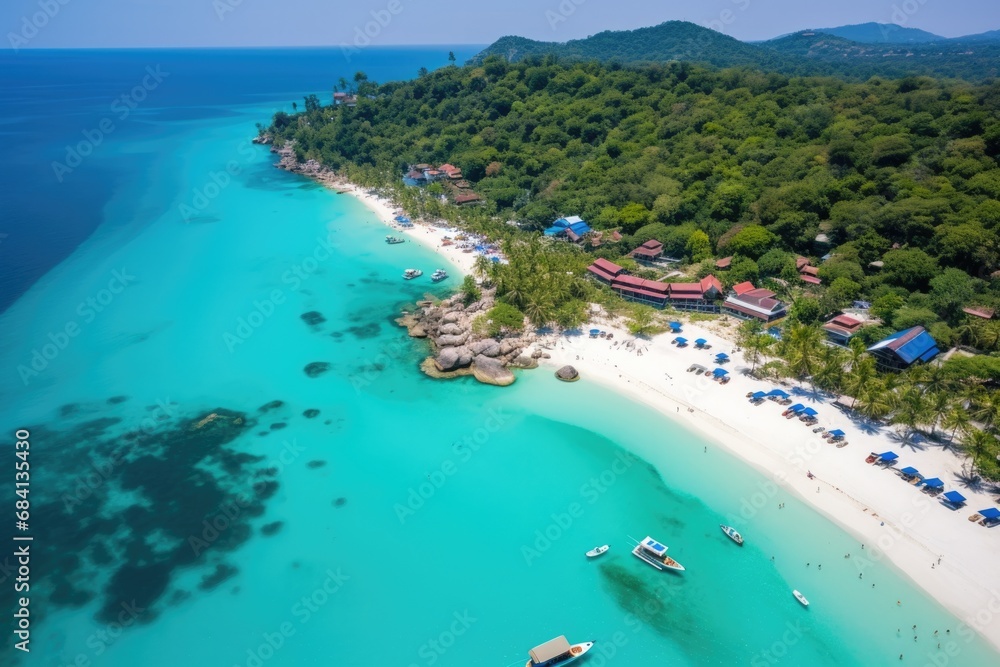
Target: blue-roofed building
column 903, row 349
column 573, row 227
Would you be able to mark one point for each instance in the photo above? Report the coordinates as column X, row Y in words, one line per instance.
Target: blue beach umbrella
column 757, row 396
column 990, row 513
column 933, row 483
column 888, row 456
column 910, row 471
column 779, row 393
column 798, row 407
column 955, row 497
column 681, row 341
column 837, row 433
column 700, row 341
column 722, row 356
column 676, row 326
column 719, row 372
column 810, row 412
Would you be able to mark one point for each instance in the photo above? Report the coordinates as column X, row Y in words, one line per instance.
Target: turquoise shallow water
column 411, row 522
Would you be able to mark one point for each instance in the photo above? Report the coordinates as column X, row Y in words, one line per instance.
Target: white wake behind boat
column 801, row 598
column 597, row 551
column 732, row 534
column 556, row 651
column 655, row 554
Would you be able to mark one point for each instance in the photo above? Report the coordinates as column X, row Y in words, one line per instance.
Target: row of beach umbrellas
column 936, row 483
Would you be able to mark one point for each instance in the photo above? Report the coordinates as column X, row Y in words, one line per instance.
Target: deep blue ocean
column 235, row 461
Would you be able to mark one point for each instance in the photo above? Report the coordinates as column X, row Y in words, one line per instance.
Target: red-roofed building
column 451, row 171
column 650, row 292
column 649, row 251
column 979, row 311
column 750, row 302
column 711, row 286
column 724, row 263
column 605, row 271
column 840, row 329
column 468, row 198
column 807, row 272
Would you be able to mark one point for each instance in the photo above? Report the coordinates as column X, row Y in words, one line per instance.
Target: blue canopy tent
column 798, row 407
column 933, row 483
column 888, row 456
column 910, row 471
column 701, row 342
column 837, row 433
column 780, row 393
column 809, row 412
column 990, row 514
column 721, row 357
column 757, row 396
column 955, row 498
column 401, row 218
column 594, row 333
column 681, row 342
column 720, row 372
column 675, row 326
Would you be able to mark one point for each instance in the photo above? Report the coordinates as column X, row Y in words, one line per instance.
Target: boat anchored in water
column 732, row 534
column 597, row 551
column 556, row 651
column 801, row 598
column 439, row 275
column 655, row 554
column 392, row 240
column 410, row 274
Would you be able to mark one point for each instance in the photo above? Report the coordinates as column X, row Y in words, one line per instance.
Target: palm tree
column 800, row 348
column 912, row 409
column 538, row 307
column 830, row 374
column 957, row 419
column 979, row 444
column 877, row 401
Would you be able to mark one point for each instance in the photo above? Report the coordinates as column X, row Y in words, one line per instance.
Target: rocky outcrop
column 568, row 374
column 491, row 371
column 458, row 350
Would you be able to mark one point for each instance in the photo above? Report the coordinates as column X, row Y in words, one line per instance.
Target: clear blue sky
column 137, row 23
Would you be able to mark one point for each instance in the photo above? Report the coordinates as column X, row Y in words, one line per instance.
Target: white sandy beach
column 895, row 520
column 910, row 528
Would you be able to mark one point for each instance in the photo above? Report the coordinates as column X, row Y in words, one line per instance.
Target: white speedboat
column 801, row 598
column 597, row 551
column 439, row 275
column 655, row 554
column 556, row 651
column 732, row 534
column 410, row 274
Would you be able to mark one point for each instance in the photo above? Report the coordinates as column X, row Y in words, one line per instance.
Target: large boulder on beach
column 452, row 341
column 450, row 358
column 451, row 329
column 568, row 374
column 487, row 347
column 491, row 371
column 450, row 318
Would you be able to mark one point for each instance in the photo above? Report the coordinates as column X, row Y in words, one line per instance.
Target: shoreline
column 910, row 529
column 902, row 524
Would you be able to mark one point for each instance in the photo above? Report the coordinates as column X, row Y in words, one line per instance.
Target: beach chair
column 975, row 517
column 841, row 445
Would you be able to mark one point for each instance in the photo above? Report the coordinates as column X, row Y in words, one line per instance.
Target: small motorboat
column 654, row 553
column 393, row 240
column 732, row 534
column 801, row 598
column 439, row 275
column 597, row 551
column 556, row 651
column 410, row 274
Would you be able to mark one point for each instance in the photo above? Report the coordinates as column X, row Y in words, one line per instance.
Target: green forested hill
column 804, row 53
column 727, row 162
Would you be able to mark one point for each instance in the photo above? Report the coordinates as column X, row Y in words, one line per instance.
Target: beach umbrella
column 910, row 471
column 681, row 341
column 594, row 332
column 722, row 356
column 757, row 396
column 933, row 483
column 810, row 412
column 837, row 433
column 700, row 341
column 798, row 407
column 990, row 513
column 955, row 497
column 888, row 456
column 719, row 372
column 778, row 392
